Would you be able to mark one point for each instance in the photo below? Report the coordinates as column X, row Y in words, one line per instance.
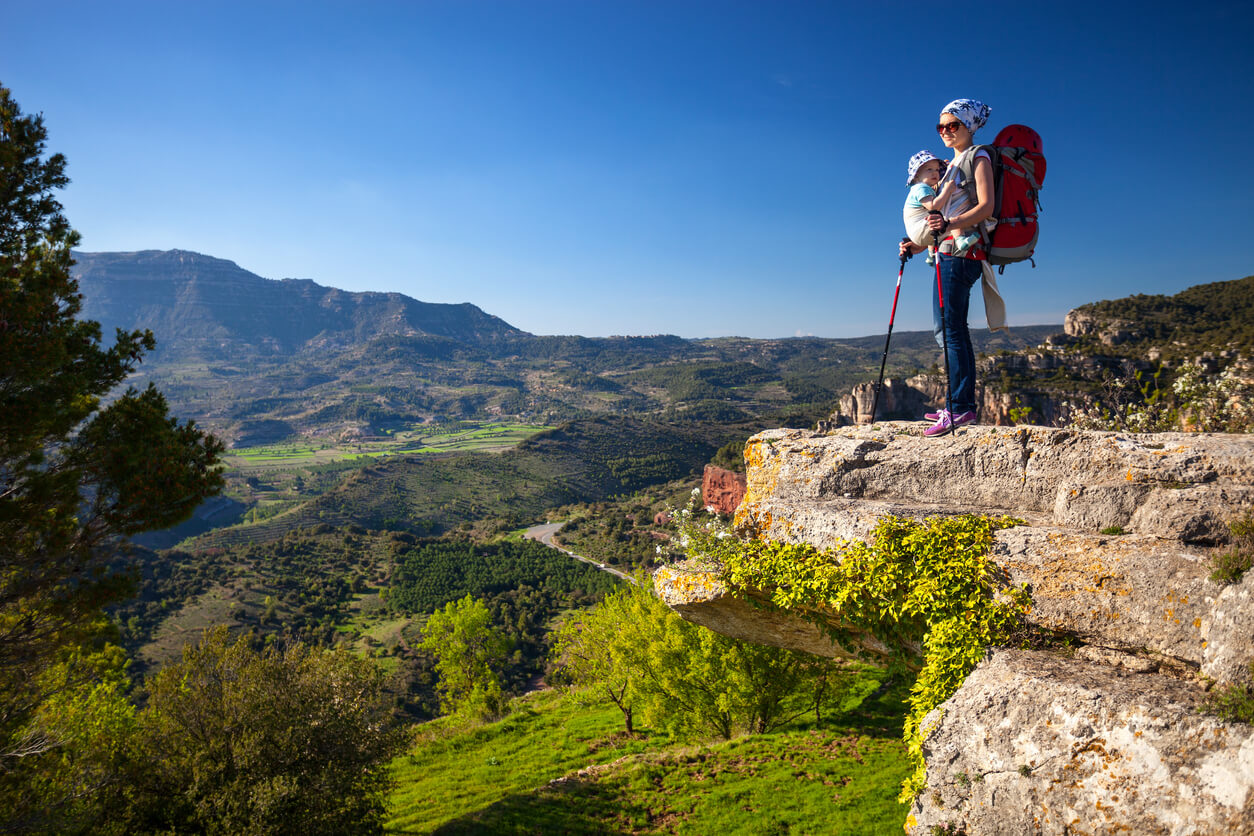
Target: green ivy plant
column 924, row 589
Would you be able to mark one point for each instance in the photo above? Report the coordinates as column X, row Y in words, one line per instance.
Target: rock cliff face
column 908, row 399
column 722, row 489
column 1102, row 738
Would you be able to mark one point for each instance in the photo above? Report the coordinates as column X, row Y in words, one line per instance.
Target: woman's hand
column 906, row 249
column 936, row 222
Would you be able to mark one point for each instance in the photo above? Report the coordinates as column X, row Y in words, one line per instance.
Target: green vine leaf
column 925, row 589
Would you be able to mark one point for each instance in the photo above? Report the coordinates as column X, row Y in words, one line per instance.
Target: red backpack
column 1018, row 171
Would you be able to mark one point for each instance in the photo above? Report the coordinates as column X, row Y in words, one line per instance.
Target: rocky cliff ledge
column 1104, row 736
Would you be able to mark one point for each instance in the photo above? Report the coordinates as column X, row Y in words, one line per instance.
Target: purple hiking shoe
column 945, row 423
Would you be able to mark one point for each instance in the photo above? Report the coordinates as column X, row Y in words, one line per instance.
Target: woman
column 972, row 203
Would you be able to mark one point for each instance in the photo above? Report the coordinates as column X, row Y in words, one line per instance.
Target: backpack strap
column 966, row 165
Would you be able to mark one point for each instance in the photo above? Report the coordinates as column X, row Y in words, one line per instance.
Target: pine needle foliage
column 77, row 477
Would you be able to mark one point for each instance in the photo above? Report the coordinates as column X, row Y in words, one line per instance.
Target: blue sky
column 597, row 168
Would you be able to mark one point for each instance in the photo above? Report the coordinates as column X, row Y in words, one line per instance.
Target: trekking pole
column 884, row 360
column 940, row 300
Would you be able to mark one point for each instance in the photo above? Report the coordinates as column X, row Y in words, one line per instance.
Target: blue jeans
column 957, row 277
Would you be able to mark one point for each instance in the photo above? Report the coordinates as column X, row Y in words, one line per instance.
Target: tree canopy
column 81, row 467
column 633, row 650
column 469, row 654
column 278, row 741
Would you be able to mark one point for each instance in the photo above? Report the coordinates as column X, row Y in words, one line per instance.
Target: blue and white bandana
column 916, row 162
column 970, row 112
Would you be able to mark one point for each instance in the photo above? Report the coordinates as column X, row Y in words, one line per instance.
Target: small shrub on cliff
column 1139, row 406
column 924, row 589
column 1020, row 413
column 1233, row 702
column 731, row 456
column 1231, row 565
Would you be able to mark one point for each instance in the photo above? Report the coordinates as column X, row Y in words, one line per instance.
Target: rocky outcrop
column 908, row 399
column 1116, row 555
column 1110, row 331
column 722, row 489
column 1038, row 743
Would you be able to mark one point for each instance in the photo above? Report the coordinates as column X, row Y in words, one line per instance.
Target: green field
column 554, row 766
column 418, row 440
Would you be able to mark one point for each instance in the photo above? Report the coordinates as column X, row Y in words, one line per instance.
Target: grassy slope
column 556, row 767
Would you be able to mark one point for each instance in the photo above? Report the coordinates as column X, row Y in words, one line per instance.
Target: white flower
column 722, row 535
column 710, row 509
column 696, row 491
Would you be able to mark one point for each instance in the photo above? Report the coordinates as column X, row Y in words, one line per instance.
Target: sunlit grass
column 451, row 773
column 523, row 775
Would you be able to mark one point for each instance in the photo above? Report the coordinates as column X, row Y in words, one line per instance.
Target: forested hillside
column 1143, row 363
column 1218, row 316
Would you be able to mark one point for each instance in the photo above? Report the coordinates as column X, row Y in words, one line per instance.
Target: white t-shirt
column 958, row 202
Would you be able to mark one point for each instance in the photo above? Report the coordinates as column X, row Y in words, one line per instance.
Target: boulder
column 1034, row 742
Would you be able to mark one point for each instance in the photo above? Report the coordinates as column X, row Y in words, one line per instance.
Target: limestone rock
column 1145, row 590
column 1114, row 547
column 697, row 594
column 1079, row 323
column 1071, row 477
column 1037, row 743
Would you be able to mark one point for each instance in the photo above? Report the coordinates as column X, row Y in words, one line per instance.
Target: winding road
column 544, row 534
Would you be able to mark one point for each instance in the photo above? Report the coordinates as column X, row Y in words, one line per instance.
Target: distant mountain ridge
column 261, row 360
column 194, row 302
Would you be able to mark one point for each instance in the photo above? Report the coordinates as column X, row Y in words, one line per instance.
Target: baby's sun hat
column 916, row 162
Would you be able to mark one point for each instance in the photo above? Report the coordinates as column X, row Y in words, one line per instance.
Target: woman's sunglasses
column 948, row 127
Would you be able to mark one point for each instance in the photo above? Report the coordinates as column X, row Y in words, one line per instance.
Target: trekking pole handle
column 908, row 254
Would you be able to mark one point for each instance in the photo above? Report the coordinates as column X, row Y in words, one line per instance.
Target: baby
column 923, row 174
